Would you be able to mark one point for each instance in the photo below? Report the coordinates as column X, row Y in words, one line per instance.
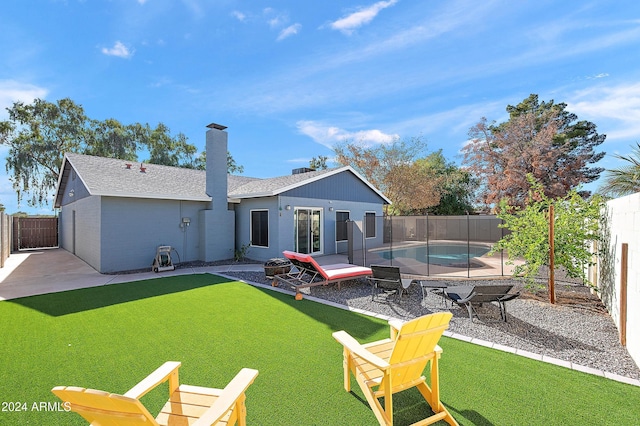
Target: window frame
column 251, row 224
column 346, row 236
column 366, row 227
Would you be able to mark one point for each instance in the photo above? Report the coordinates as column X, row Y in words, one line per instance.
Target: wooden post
column 624, row 263
column 552, row 266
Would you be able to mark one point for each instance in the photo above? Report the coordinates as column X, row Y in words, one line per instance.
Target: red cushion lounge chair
column 309, row 273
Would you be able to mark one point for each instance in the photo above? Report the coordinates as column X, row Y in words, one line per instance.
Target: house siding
column 83, row 237
column 344, row 186
column 243, row 227
column 76, row 187
column 138, row 226
column 281, row 222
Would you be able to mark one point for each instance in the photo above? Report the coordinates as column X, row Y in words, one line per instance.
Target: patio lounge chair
column 193, row 405
column 392, row 365
column 469, row 295
column 387, row 278
column 309, row 273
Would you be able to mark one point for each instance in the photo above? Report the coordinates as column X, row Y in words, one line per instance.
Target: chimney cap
column 216, row 126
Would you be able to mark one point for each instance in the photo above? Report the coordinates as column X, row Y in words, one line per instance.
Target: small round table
column 435, row 285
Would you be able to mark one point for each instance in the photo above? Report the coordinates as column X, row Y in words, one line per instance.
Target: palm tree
column 624, row 180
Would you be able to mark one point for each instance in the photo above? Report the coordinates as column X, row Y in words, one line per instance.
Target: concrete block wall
column 622, row 226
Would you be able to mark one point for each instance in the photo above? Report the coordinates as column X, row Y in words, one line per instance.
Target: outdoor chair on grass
column 470, row 295
column 392, row 365
column 187, row 405
column 308, row 273
column 387, row 279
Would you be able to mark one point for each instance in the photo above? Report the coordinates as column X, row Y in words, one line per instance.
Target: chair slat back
column 386, row 272
column 103, row 408
column 490, row 293
column 415, row 345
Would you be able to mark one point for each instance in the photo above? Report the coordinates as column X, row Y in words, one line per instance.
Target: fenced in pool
column 457, row 246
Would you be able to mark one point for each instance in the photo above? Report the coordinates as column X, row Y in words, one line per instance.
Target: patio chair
column 388, row 279
column 388, row 366
column 309, row 273
column 193, row 405
column 470, row 295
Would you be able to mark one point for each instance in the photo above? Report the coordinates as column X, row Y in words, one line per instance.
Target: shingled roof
column 120, row 178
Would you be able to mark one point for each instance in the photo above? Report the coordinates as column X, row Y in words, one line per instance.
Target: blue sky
column 292, row 78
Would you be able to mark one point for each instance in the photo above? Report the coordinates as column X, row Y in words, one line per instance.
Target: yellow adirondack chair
column 187, row 405
column 392, row 365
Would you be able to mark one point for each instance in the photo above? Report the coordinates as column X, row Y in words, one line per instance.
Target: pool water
column 439, row 254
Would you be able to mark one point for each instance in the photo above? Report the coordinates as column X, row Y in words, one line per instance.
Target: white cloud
column 614, row 109
column 289, row 31
column 331, row 135
column 363, row 16
column 239, row 15
column 12, row 91
column 119, row 50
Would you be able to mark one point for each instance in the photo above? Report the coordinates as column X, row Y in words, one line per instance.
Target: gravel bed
column 580, row 332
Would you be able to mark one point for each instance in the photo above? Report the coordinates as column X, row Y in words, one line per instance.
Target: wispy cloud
column 13, row 91
column 289, row 31
column 119, row 50
column 351, row 22
column 614, row 109
column 274, row 18
column 239, row 15
column 329, row 136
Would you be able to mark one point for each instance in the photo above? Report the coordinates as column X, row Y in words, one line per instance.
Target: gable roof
column 111, row 177
column 277, row 185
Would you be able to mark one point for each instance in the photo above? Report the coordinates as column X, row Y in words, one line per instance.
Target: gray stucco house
column 114, row 213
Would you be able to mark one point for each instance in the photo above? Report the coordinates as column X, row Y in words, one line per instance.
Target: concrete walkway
column 36, row 272
column 29, row 273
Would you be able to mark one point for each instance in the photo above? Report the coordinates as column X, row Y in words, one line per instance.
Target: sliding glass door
column 308, row 230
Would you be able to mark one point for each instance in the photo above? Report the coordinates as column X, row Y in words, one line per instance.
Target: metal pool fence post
column 501, row 250
column 427, row 220
column 468, row 247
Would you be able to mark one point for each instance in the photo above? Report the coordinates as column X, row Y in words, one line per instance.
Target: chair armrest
column 383, row 280
column 353, row 346
column 508, row 297
column 230, row 394
column 463, row 300
column 160, row 375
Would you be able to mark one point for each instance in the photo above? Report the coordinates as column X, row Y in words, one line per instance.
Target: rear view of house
column 114, row 213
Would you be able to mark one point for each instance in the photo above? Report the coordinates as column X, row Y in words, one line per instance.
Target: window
column 370, row 225
column 341, row 226
column 260, row 228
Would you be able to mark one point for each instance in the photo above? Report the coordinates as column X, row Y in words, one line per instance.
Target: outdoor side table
column 435, row 285
column 406, row 282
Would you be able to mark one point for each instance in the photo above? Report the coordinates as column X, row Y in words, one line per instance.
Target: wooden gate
column 35, row 232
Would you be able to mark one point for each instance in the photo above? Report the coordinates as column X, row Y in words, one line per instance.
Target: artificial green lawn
column 111, row 337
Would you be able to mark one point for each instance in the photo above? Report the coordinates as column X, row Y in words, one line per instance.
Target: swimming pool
column 439, row 254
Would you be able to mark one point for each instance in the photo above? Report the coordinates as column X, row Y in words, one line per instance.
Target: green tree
column 626, row 179
column 200, row 163
column 540, row 138
column 39, row 134
column 456, row 186
column 576, row 224
column 319, row 162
